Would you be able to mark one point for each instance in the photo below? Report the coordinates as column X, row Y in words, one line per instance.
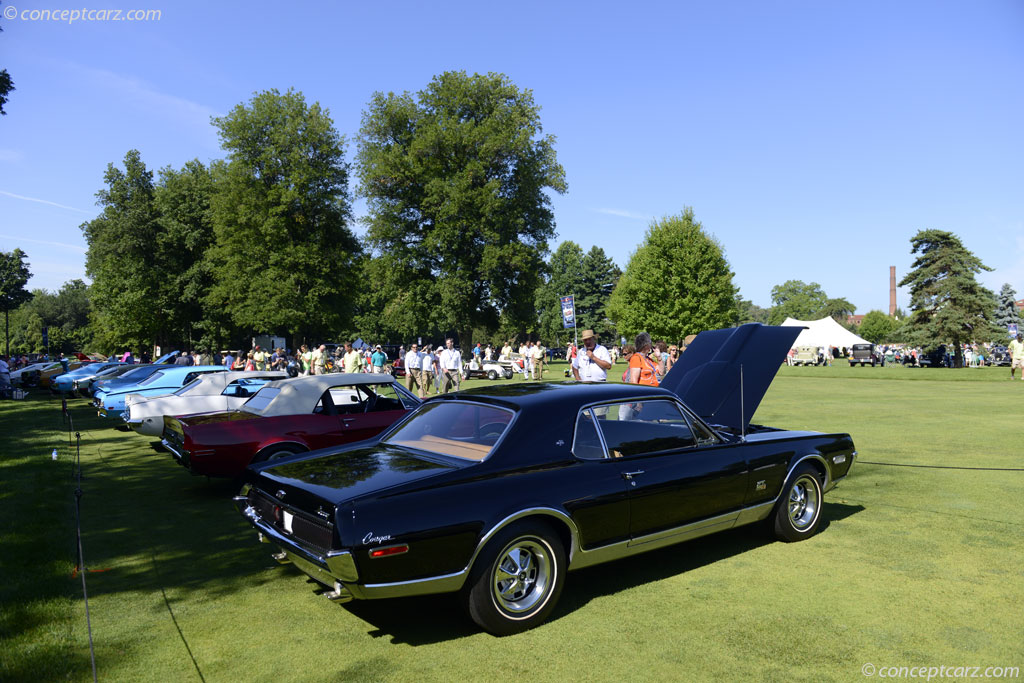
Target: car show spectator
column 229, row 360
column 642, row 368
column 352, row 360
column 428, row 366
column 591, row 363
column 259, row 357
column 378, row 359
column 450, row 361
column 1016, row 350
column 413, row 371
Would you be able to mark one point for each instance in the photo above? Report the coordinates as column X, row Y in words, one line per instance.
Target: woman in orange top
column 643, row 370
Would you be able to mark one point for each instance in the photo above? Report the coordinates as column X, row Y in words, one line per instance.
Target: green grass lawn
column 915, row 566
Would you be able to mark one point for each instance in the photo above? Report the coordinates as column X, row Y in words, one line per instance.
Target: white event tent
column 824, row 332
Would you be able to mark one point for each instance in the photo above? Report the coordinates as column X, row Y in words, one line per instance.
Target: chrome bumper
column 337, row 570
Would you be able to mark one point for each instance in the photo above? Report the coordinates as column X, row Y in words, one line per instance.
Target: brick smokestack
column 892, row 291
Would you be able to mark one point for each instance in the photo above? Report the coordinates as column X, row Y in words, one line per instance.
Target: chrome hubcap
column 522, row 576
column 803, row 502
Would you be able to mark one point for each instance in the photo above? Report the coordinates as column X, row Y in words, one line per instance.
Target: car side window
column 586, row 442
column 644, row 427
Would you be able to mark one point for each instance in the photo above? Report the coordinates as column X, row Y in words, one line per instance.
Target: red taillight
column 390, row 550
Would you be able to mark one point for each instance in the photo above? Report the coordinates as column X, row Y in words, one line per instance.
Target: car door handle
column 629, row 475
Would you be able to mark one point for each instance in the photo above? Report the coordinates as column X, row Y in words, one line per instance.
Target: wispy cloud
column 74, row 247
column 625, row 214
column 11, row 155
column 146, row 97
column 42, row 201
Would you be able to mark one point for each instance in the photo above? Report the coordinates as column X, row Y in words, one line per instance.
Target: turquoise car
column 164, row 381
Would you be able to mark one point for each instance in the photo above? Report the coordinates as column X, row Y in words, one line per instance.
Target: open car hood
column 707, row 374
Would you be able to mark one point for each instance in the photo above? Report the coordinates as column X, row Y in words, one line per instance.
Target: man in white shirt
column 413, row 376
column 451, row 365
column 592, row 362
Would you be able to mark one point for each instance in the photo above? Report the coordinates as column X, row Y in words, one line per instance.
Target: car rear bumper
column 337, row 569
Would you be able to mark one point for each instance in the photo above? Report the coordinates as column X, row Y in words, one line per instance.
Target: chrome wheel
column 803, row 502
column 522, row 576
column 798, row 512
column 517, row 580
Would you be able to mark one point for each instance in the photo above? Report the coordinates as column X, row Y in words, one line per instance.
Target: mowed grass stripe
column 915, row 567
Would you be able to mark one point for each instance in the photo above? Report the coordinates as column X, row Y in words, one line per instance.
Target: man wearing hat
column 378, row 359
column 592, row 362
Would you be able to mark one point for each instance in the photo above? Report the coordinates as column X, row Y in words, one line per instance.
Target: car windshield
column 137, row 372
column 151, row 379
column 457, row 429
column 259, row 402
column 188, row 387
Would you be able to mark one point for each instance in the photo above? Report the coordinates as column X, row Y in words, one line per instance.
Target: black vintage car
column 864, row 354
column 496, row 493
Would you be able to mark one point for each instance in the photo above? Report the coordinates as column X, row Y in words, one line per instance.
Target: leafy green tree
column 65, row 314
column 1006, row 311
column 838, row 309
column 6, row 87
column 125, row 286
column 749, row 312
column 678, row 282
column 285, row 258
column 14, row 275
column 455, row 181
column 185, row 235
column 877, row 327
column 796, row 299
column 947, row 302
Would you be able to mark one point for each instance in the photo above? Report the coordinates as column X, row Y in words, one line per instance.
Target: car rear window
column 259, row 402
column 458, row 429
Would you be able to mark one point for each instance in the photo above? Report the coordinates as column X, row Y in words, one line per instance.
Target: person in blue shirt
column 378, row 359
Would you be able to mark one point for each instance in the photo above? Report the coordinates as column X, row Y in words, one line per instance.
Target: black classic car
column 496, row 493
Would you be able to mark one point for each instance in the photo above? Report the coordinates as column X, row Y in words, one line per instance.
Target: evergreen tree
column 1006, row 311
column 600, row 275
column 948, row 304
column 565, row 278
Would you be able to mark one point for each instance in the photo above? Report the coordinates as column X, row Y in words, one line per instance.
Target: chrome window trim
column 600, row 436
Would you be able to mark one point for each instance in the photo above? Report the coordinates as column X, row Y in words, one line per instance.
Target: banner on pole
column 568, row 311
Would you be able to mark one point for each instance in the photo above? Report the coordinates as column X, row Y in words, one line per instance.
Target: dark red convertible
column 286, row 417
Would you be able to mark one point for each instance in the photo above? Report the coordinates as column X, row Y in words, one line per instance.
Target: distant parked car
column 167, row 379
column 489, row 369
column 806, row 355
column 67, row 383
column 998, row 356
column 215, row 391
column 864, row 354
column 287, row 417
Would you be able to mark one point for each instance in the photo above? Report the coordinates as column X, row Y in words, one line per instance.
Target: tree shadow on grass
column 431, row 619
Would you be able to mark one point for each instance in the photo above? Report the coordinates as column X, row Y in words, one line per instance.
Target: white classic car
column 208, row 393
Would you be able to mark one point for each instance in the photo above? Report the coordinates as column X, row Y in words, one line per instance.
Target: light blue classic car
column 164, row 381
column 65, row 384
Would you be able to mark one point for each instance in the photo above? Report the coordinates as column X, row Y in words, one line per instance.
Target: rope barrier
column 942, row 467
column 81, row 555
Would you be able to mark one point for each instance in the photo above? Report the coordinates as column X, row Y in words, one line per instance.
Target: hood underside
column 707, row 375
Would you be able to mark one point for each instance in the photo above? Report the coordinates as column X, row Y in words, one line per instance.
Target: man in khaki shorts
column 1016, row 349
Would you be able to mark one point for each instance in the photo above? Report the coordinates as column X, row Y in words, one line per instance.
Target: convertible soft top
column 299, row 394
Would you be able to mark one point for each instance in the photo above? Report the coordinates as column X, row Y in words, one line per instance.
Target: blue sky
column 813, row 139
